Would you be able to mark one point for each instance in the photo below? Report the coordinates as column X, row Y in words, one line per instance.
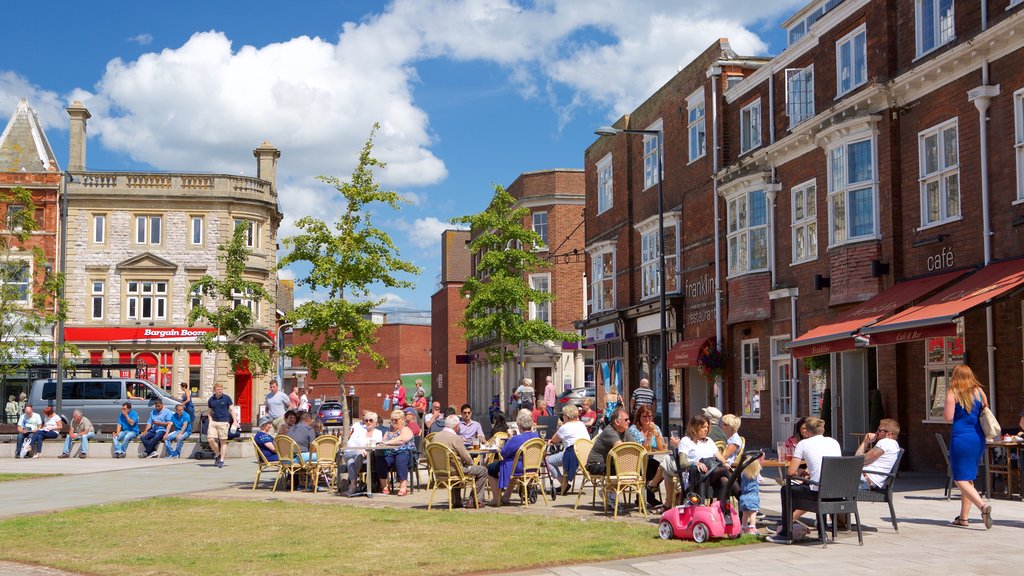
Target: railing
column 150, row 181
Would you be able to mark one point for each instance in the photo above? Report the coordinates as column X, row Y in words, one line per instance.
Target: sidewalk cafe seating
column 446, row 473
column 583, row 448
column 884, row 494
column 289, row 460
column 625, row 466
column 836, row 494
column 326, row 465
column 529, row 459
column 263, row 465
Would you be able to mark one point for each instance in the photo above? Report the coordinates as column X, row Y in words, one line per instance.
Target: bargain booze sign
column 153, row 334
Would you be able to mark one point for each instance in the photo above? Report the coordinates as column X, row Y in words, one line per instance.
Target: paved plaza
column 925, row 542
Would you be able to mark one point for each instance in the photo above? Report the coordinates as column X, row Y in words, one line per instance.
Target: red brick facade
column 447, row 309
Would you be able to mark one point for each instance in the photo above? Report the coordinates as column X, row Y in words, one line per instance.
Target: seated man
column 156, row 427
column 180, row 428
column 28, row 423
column 810, row 451
column 304, row 435
column 51, row 428
column 612, row 435
column 880, row 457
column 437, row 424
column 470, row 429
column 264, row 441
column 450, row 437
column 127, row 428
column 81, row 429
column 363, row 433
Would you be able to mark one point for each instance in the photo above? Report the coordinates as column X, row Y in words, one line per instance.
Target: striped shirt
column 643, row 397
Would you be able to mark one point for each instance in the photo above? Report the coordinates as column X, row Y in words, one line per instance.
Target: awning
column 934, row 317
column 684, row 354
column 837, row 336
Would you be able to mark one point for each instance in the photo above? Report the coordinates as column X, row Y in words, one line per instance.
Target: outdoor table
column 1006, row 469
column 777, row 464
column 369, row 467
column 480, row 453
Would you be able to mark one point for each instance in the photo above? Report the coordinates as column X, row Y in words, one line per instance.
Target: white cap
column 713, row 413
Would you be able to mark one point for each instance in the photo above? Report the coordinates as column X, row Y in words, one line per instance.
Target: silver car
column 100, row 399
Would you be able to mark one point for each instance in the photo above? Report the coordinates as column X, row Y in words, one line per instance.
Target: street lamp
column 663, row 340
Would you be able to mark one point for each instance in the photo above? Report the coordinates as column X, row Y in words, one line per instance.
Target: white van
column 100, row 399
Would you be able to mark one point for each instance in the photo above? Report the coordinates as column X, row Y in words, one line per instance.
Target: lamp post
column 663, row 338
column 66, row 179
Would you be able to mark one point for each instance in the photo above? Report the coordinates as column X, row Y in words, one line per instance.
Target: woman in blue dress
column 964, row 401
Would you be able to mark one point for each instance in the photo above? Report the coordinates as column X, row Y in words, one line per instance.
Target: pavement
column 924, row 543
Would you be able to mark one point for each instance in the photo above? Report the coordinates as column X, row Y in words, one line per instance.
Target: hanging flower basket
column 813, row 363
column 711, row 360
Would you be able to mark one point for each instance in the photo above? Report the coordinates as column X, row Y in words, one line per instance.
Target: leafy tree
column 499, row 293
column 345, row 259
column 229, row 312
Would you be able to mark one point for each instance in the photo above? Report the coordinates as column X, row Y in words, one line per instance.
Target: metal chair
column 949, row 467
column 263, row 464
column 446, row 473
column 530, row 458
column 884, row 494
column 628, row 461
column 326, row 464
column 836, row 494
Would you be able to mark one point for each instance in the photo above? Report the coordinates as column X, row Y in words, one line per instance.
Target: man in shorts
column 220, row 420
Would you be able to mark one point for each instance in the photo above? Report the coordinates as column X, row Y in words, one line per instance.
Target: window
column 148, row 229
column 851, row 61
column 197, row 231
column 98, row 294
column 195, row 297
column 751, row 365
column 801, row 28
column 16, row 280
column 602, row 280
column 244, row 298
column 541, row 310
column 940, row 174
column 99, row 228
column 799, row 95
column 941, row 356
column 652, row 155
column 1018, row 121
column 748, row 233
column 650, row 256
column 15, row 216
column 695, row 124
column 852, row 192
column 147, row 300
column 540, row 226
column 805, row 222
column 604, row 184
column 252, row 232
column 934, row 24
column 750, row 126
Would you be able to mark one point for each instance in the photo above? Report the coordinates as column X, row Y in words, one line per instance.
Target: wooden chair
column 531, row 457
column 326, row 464
column 263, row 465
column 836, row 494
column 446, row 473
column 289, row 462
column 628, row 460
column 583, row 448
column 884, row 494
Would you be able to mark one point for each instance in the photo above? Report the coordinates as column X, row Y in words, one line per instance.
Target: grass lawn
column 7, row 477
column 192, row 536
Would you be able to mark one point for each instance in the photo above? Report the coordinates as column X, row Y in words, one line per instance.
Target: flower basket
column 711, row 360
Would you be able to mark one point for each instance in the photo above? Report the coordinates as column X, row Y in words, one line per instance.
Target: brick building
column 447, row 309
column 555, row 199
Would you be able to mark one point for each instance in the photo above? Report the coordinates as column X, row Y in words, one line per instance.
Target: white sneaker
column 37, row 455
column 154, row 454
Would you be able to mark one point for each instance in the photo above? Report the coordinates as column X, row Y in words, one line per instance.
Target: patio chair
column 263, row 465
column 446, row 473
column 326, row 464
column 289, row 461
column 628, row 460
column 583, row 448
column 836, row 494
column 949, row 468
column 530, row 457
column 884, row 494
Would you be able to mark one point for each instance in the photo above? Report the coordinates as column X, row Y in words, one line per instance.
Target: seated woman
column 645, row 432
column 567, row 434
column 734, row 442
column 588, row 416
column 264, row 441
column 289, row 419
column 363, row 434
column 704, row 456
column 500, row 473
column 799, row 433
column 499, row 423
column 397, row 458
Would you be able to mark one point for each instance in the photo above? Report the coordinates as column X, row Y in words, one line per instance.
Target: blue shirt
column 184, row 422
column 219, row 411
column 262, row 438
column 123, row 422
column 164, row 415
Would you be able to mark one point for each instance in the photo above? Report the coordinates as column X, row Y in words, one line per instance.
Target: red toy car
column 699, row 522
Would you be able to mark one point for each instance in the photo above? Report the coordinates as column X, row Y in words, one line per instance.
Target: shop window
column 942, row 355
column 750, row 365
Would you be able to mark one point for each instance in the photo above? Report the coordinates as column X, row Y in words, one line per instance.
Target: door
column 540, row 375
column 243, row 394
column 854, row 398
column 782, row 384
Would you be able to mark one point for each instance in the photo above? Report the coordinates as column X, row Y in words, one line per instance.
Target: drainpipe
column 984, row 15
column 982, row 97
column 771, row 107
column 713, row 73
column 771, row 191
column 794, row 377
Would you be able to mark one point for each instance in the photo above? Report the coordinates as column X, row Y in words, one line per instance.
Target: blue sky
column 469, row 92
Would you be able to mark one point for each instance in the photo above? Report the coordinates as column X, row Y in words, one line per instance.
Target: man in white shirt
column 303, row 401
column 27, row 426
column 276, row 402
column 810, row 451
column 880, row 457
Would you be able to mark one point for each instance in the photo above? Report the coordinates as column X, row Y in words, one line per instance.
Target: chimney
column 76, row 147
column 266, row 163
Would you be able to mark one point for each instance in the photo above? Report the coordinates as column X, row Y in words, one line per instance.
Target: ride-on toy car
column 700, row 521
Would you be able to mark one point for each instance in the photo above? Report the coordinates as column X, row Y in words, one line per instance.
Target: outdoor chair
column 836, row 494
column 289, row 462
column 531, row 457
column 949, row 468
column 326, row 464
column 884, row 494
column 628, row 461
column 446, row 473
column 263, row 465
column 583, row 448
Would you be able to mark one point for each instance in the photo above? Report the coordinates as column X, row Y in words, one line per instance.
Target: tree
column 345, row 260
column 233, row 300
column 499, row 293
column 28, row 311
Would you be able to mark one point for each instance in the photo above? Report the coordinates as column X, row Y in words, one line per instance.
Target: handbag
column 989, row 425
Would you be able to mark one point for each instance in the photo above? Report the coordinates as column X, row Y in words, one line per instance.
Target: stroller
column 203, row 450
column 700, row 519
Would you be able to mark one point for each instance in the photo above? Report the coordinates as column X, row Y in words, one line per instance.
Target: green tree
column 228, row 305
column 346, row 259
column 499, row 293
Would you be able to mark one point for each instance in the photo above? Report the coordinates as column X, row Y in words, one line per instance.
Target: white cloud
column 48, row 105
column 141, row 39
column 424, row 233
column 286, row 274
column 391, row 300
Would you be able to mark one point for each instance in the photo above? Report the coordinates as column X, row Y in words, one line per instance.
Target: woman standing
column 12, row 410
column 964, row 402
column 186, row 399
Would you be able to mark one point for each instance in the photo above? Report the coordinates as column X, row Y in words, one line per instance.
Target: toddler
column 750, row 497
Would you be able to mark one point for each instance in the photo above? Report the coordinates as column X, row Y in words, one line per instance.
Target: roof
column 23, row 145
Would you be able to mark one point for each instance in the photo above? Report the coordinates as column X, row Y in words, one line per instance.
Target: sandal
column 402, row 492
column 958, row 521
column 386, row 491
column 986, row 516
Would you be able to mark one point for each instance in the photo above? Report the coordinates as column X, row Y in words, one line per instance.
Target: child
column 750, row 497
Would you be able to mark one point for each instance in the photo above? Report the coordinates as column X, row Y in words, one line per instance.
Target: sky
column 468, row 93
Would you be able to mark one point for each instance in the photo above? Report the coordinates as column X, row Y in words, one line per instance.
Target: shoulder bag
column 989, row 425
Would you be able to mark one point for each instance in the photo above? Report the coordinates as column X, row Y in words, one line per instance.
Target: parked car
column 331, row 413
column 100, row 399
column 575, row 396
